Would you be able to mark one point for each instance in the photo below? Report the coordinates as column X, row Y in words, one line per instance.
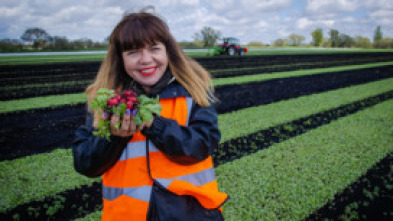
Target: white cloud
column 331, row 6
column 375, row 4
column 264, row 5
column 382, row 13
column 304, row 23
column 348, row 19
column 257, row 20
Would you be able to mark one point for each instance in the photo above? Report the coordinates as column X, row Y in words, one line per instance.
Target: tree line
column 334, row 39
column 208, row 37
column 339, row 40
column 39, row 39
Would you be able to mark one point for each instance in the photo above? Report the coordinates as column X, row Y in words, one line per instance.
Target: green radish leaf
column 137, row 119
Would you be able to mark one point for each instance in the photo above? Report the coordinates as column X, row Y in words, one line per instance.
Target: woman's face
column 146, row 65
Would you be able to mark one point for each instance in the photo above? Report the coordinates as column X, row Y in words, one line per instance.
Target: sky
column 249, row 20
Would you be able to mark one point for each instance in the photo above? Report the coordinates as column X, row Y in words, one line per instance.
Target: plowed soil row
column 211, row 63
column 24, row 134
column 59, row 75
column 67, row 73
column 261, row 60
column 73, row 205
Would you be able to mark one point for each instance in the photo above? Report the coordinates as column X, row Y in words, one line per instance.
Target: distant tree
column 378, row 37
column 208, row 36
column 82, row 43
column 57, row 42
column 280, row 42
column 10, row 45
column 345, row 41
column 317, row 37
column 295, row 40
column 384, row 43
column 187, row 44
column 36, row 36
column 362, row 42
column 378, row 34
column 334, row 37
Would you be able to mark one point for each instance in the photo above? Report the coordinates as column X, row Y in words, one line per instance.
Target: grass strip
column 298, row 73
column 295, row 51
column 31, row 178
column 41, row 102
column 266, row 67
column 45, row 59
column 293, row 178
column 60, row 100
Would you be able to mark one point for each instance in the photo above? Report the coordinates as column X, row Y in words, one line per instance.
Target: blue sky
column 248, row 20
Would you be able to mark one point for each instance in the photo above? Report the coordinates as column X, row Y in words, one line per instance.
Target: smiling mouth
column 148, row 71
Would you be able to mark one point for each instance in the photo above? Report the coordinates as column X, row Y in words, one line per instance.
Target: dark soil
column 86, row 199
column 50, row 129
column 45, row 75
column 235, row 97
column 40, row 131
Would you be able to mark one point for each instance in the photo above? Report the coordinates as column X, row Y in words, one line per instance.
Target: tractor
column 230, row 46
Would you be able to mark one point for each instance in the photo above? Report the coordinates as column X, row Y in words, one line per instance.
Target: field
column 304, row 137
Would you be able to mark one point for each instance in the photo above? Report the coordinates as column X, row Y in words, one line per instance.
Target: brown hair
column 137, row 30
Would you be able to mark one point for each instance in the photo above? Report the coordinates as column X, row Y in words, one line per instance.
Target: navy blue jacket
column 94, row 155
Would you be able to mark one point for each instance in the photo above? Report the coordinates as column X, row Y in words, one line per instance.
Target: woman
column 161, row 170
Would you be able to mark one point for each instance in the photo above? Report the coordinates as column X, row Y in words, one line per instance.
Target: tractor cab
column 233, row 41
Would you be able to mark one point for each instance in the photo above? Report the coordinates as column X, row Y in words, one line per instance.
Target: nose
column 146, row 56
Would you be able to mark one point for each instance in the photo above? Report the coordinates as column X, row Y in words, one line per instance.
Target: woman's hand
column 127, row 126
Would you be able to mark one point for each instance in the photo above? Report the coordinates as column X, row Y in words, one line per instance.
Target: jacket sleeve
column 94, row 155
column 186, row 144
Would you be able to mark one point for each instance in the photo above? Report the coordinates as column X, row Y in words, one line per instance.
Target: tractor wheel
column 231, row 51
column 241, row 52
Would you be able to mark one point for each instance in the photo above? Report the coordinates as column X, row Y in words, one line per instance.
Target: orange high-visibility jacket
column 127, row 186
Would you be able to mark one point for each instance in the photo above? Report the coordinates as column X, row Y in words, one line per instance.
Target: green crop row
column 291, row 179
column 35, row 177
column 253, row 119
column 298, row 73
column 59, row 100
column 296, row 64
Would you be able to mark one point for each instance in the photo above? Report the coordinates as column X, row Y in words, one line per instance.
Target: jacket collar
column 174, row 89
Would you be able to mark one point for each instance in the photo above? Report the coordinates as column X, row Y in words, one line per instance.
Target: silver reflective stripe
column 140, row 193
column 197, row 179
column 137, row 149
column 189, row 107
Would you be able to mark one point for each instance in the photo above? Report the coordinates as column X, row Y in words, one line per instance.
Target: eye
column 130, row 52
column 155, row 48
